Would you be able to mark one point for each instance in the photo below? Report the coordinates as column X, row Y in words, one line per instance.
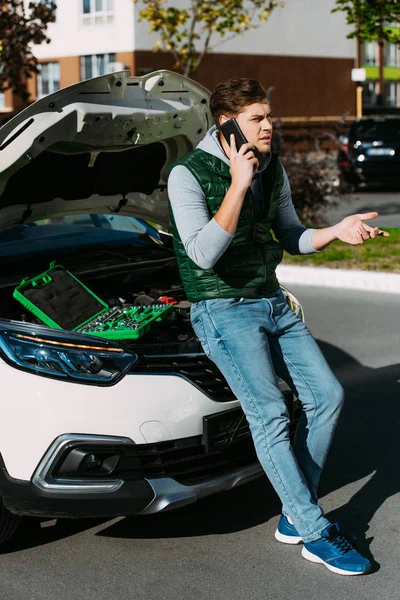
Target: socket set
column 127, row 322
column 61, row 301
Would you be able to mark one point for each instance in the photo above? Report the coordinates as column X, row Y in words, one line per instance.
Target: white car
column 91, row 426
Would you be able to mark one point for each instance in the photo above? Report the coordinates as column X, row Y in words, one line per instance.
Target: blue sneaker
column 286, row 532
column 334, row 551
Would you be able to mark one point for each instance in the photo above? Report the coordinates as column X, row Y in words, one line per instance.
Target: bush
column 312, row 173
column 313, row 184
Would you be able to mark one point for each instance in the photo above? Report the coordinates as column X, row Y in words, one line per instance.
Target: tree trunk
column 380, row 100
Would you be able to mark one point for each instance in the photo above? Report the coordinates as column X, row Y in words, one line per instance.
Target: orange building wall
column 70, row 70
column 128, row 58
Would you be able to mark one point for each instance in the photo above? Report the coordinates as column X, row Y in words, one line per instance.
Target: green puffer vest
column 247, row 267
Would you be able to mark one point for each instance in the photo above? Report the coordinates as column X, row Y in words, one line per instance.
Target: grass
column 381, row 254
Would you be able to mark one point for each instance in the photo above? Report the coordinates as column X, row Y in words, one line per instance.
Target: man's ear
column 222, row 119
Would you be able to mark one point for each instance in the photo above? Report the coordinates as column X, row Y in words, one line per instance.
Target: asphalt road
column 387, row 204
column 223, row 547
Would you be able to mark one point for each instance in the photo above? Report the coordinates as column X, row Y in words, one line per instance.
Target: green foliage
column 19, row 28
column 187, row 32
column 371, row 19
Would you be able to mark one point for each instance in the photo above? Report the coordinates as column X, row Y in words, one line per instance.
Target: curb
column 340, row 278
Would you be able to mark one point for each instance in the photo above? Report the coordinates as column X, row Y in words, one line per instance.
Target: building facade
column 370, row 58
column 301, row 55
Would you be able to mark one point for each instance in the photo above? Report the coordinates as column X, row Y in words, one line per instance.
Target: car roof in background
column 379, row 124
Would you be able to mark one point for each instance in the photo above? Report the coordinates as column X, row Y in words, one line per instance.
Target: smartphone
column 232, row 126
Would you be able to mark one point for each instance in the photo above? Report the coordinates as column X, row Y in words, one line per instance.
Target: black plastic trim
column 24, row 498
column 17, row 134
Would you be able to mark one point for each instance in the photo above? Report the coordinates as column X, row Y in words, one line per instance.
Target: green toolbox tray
column 61, row 301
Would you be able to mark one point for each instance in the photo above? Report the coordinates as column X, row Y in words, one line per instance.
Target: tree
column 370, row 18
column 371, row 21
column 19, row 28
column 187, row 33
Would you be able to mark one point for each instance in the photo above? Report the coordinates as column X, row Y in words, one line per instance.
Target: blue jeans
column 253, row 342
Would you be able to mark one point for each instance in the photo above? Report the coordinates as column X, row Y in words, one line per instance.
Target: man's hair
column 231, row 96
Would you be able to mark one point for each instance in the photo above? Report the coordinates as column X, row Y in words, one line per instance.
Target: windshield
column 77, row 232
column 116, row 222
column 372, row 129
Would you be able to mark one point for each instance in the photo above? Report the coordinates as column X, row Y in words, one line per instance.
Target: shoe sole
column 288, row 539
column 316, row 559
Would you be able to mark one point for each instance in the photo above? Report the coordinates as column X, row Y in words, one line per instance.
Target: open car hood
column 104, row 145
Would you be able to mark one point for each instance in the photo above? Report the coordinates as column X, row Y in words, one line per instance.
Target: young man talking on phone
column 225, row 204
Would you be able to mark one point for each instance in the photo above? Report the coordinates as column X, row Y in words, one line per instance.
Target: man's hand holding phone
column 243, row 159
column 241, row 154
column 243, row 162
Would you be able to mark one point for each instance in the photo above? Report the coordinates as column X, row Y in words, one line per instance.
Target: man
column 225, row 204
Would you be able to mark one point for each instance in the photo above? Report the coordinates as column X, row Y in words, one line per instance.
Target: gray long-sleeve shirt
column 203, row 238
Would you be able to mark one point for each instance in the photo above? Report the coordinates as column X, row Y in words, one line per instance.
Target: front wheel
column 9, row 523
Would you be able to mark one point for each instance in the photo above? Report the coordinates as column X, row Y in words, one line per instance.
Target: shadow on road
column 236, row 510
column 367, row 440
column 367, row 443
column 38, row 532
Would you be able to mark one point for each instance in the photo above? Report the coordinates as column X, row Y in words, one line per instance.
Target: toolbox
column 61, row 301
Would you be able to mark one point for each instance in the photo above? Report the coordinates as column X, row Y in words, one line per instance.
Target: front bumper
column 25, row 498
column 84, row 475
column 143, row 497
column 102, row 476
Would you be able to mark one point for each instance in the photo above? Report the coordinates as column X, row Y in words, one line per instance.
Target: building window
column 370, row 54
column 369, row 93
column 97, row 12
column 391, row 55
column 94, row 65
column 48, row 80
column 390, row 88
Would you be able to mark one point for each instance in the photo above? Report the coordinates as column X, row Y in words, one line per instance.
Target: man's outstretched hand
column 352, row 230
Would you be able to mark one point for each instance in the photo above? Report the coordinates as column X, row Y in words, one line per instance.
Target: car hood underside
column 103, row 145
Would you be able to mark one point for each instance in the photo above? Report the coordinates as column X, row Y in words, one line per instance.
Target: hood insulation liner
column 69, row 177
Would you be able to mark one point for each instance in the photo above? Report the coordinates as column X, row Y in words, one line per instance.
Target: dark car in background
column 369, row 156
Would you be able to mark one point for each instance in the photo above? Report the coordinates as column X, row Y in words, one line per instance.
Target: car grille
column 185, row 460
column 226, row 445
column 197, row 368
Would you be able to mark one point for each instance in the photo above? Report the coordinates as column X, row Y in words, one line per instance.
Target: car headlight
column 64, row 356
column 293, row 303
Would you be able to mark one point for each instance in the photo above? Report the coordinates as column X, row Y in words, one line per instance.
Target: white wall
column 70, row 38
column 301, row 28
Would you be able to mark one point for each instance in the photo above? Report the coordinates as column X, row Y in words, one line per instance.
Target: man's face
column 255, row 121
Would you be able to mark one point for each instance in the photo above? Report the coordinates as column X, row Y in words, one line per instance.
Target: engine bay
column 121, row 279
